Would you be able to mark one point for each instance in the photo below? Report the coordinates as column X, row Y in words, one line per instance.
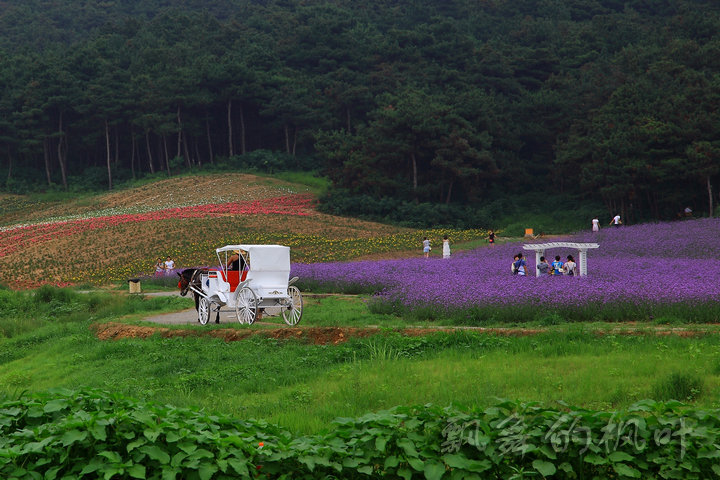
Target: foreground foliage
column 92, row 434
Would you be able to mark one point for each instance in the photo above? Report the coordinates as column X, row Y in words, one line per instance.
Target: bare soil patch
column 313, row 335
column 336, row 335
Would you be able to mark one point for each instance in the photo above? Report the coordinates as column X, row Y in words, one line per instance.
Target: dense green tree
column 454, row 103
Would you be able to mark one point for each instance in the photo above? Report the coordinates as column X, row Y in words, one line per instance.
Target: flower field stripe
column 636, row 266
column 12, row 239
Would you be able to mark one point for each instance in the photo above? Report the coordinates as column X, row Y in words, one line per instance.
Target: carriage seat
column 233, row 278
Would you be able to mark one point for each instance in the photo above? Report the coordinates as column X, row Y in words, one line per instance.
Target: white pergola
column 581, row 247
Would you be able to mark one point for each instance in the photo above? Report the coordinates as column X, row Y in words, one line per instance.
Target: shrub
column 680, row 386
column 93, row 434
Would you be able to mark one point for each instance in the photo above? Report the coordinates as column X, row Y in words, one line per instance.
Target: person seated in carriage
column 236, row 261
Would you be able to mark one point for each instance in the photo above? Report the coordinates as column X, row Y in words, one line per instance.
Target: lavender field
column 664, row 271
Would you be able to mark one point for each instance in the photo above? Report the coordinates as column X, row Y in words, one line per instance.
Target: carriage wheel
column 246, row 306
column 293, row 312
column 203, row 311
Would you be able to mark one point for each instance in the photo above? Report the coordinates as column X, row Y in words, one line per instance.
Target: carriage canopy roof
column 263, row 257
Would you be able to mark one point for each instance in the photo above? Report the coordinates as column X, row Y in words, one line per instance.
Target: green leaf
column 72, row 436
column 240, row 466
column 155, row 453
column 458, row 461
column 546, row 469
column 187, row 447
column 170, row 473
column 595, row 459
column 367, row 470
column 434, row 470
column 380, row 443
column 133, row 445
column 391, row 462
column 408, row 446
column 708, row 453
column 56, row 405
column 620, row 457
column 416, row 464
column 112, row 456
column 98, row 432
column 177, row 459
column 309, row 461
column 111, row 472
column 51, row 473
column 716, row 469
column 137, row 471
column 623, row 469
column 93, row 465
column 548, row 452
column 206, row 471
column 405, row 473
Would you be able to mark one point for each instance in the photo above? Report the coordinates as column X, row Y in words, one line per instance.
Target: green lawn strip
column 302, row 387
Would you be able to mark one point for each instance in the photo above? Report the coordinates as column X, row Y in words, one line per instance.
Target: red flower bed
column 11, row 240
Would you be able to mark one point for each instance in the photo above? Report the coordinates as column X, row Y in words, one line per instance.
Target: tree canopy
column 456, row 102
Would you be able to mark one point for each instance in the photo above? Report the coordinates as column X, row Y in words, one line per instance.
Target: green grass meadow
column 302, row 387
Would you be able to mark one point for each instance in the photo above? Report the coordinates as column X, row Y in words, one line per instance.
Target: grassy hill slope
column 111, row 236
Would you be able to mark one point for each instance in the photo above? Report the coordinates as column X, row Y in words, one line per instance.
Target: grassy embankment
column 302, row 387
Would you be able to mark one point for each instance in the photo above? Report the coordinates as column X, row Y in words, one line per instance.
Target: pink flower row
column 13, row 239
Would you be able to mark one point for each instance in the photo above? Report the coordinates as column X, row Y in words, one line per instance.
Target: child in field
column 520, row 265
column 446, row 247
column 159, row 267
column 426, row 247
column 491, row 238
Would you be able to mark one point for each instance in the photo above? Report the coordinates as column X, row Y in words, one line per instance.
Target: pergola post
column 538, row 254
column 582, row 262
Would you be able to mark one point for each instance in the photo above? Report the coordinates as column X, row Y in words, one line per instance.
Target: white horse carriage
column 251, row 279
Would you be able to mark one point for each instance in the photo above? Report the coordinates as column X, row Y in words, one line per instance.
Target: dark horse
column 190, row 277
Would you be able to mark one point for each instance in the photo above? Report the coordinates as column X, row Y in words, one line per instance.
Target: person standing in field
column 426, row 247
column 569, row 267
column 557, row 266
column 595, row 225
column 543, row 267
column 616, row 221
column 491, row 238
column 159, row 267
column 446, row 247
column 169, row 265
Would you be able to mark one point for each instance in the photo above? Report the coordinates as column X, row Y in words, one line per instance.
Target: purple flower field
column 649, row 264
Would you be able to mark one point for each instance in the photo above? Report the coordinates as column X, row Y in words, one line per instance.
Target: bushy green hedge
column 409, row 214
column 91, row 434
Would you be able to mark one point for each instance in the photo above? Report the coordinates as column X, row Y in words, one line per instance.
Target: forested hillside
column 405, row 102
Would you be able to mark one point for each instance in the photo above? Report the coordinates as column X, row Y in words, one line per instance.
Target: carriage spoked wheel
column 246, row 306
column 293, row 312
column 203, row 311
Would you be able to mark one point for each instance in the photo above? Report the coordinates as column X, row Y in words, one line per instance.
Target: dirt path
column 273, row 327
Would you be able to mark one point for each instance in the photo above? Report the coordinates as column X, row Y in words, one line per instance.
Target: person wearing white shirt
column 169, row 264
